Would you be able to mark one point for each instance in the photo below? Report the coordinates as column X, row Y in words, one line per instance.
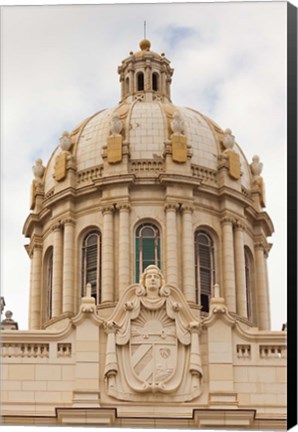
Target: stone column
column 188, row 254
column 228, row 264
column 57, row 270
column 35, row 291
column 68, row 266
column 267, row 289
column 107, row 255
column 147, row 76
column 240, row 271
column 131, row 81
column 262, row 292
column 171, row 244
column 124, row 247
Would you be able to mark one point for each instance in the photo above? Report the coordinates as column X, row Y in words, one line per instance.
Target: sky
column 59, row 66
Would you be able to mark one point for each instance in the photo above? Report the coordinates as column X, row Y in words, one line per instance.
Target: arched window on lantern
column 205, row 270
column 147, row 247
column 127, row 85
column 155, row 81
column 91, row 264
column 140, row 81
column 48, row 263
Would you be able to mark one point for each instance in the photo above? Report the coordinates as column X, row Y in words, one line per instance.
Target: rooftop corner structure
column 149, row 299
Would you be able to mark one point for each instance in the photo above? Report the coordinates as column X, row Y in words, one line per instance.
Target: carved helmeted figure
column 153, row 344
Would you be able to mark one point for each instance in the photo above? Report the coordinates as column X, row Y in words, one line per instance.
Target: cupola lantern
column 145, row 75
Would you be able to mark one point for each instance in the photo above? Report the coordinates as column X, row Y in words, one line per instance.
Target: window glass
column 91, row 271
column 147, row 247
column 140, row 81
column 49, row 282
column 204, row 266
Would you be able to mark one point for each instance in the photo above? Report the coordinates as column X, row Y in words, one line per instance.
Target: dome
column 146, row 126
column 147, row 182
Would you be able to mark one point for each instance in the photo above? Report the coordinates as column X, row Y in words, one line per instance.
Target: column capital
column 239, row 225
column 56, row 226
column 108, row 209
column 262, row 244
column 171, row 206
column 123, row 206
column 187, row 208
column 36, row 244
column 69, row 221
column 228, row 219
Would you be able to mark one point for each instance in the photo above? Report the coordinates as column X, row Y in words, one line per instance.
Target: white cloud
column 60, row 66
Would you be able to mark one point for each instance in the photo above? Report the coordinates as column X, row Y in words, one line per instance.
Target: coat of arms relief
column 153, row 344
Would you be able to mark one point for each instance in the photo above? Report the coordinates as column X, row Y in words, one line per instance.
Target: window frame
column 48, row 262
column 139, row 261
column 199, row 267
column 97, row 293
column 139, row 75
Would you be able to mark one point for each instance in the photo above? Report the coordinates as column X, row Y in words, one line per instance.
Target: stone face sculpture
column 153, row 344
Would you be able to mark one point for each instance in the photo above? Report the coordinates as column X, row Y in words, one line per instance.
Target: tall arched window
column 91, row 264
column 205, row 271
column 48, row 281
column 140, row 81
column 155, row 81
column 248, row 277
column 147, row 247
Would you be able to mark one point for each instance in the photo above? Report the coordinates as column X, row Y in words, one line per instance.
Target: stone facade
column 100, row 349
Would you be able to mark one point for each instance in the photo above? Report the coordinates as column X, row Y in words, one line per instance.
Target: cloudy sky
column 59, row 66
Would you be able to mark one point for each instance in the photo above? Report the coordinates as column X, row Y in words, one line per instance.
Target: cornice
column 178, row 178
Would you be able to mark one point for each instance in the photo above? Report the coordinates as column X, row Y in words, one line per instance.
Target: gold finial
column 145, row 45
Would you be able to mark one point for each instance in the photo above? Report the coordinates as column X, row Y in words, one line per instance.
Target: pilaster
column 57, row 269
column 124, row 247
column 35, row 289
column 68, row 267
column 228, row 263
column 262, row 289
column 108, row 254
column 240, row 270
column 188, row 255
column 171, row 243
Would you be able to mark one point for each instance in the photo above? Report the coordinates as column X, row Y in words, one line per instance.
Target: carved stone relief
column 153, row 344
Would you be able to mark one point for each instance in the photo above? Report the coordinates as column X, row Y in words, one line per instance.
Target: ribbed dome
column 146, row 127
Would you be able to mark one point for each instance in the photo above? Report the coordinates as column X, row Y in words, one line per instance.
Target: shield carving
column 153, row 352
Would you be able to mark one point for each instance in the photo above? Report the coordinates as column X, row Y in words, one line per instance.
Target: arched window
column 140, row 81
column 205, row 271
column 248, row 277
column 155, row 81
column 147, row 247
column 127, row 85
column 49, row 282
column 91, row 264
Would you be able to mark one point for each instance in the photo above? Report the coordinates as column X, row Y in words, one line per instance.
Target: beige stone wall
column 43, row 370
